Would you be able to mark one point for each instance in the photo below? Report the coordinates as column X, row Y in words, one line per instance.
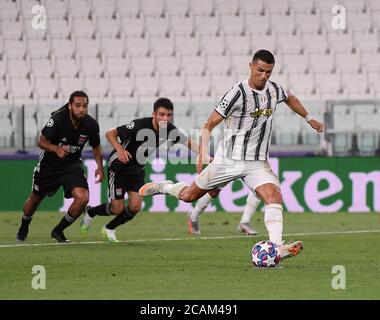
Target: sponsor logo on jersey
column 261, row 112
column 82, row 139
column 119, row 192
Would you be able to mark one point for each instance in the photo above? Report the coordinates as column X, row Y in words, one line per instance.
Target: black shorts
column 46, row 183
column 120, row 182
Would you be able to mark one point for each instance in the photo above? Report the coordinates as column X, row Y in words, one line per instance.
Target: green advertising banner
column 307, row 184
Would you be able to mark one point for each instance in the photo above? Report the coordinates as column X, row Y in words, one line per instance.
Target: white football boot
column 153, row 188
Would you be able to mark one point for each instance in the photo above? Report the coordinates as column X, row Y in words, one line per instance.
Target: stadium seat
column 288, row 43
column 104, row 9
column 91, row 67
column 46, row 89
column 187, row 46
column 201, row 7
column 9, row 11
column 137, row 46
column 347, row 62
column 366, row 42
column 58, row 28
column 355, row 85
column 198, row 86
column 56, row 9
column 297, row 63
column 66, row 68
column 11, row 29
column 87, row 48
column 96, row 88
column 38, row 49
column 41, row 68
column 14, row 49
column 237, row 44
column 167, row 65
column 240, row 64
column 267, row 42
column 218, row 65
column 340, row 42
column 321, row 63
column 281, row 23
column 251, row 7
column 172, row 86
column 227, row 7
column 62, row 48
column 162, row 46
column 307, row 23
column 112, row 48
column 256, row 24
column 205, row 25
column 153, row 7
column 80, row 9
column 82, row 28
column 181, row 26
column 115, row 66
column 67, row 85
column 132, row 26
column 221, row 84
column 147, row 87
column 156, row 26
column 142, row 66
column 19, row 69
column 212, row 45
column 121, row 86
column 107, row 28
column 193, row 65
column 314, row 43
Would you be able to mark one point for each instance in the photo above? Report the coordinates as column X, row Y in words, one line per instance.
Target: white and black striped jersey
column 248, row 117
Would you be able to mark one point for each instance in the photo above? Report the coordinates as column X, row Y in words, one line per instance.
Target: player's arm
column 112, row 137
column 98, row 156
column 45, row 144
column 295, row 105
column 203, row 158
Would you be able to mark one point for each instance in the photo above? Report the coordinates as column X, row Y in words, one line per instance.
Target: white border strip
column 42, row 244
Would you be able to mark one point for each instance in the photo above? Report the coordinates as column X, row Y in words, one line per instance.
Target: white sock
column 250, row 208
column 174, row 189
column 201, row 205
column 274, row 222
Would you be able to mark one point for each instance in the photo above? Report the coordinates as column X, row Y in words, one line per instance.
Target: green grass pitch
column 157, row 259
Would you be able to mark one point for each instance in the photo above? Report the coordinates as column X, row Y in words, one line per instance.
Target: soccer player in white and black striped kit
column 247, row 109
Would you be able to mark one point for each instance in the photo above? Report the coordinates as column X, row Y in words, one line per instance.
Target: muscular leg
column 202, row 204
column 271, row 195
column 184, row 192
column 30, row 207
column 125, row 214
column 80, row 196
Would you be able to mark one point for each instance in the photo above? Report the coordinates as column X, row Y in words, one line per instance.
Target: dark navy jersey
column 59, row 130
column 140, row 139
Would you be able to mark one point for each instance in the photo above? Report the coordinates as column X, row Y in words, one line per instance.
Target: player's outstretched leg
column 290, row 250
column 155, row 188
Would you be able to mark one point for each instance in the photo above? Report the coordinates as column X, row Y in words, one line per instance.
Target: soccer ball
column 265, row 254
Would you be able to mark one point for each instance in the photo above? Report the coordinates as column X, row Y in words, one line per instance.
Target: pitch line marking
column 42, row 244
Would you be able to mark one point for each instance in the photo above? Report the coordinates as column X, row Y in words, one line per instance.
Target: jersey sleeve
column 175, row 135
column 94, row 139
column 281, row 93
column 50, row 130
column 229, row 101
column 126, row 131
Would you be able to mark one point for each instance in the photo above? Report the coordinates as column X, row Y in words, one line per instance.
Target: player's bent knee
column 134, row 208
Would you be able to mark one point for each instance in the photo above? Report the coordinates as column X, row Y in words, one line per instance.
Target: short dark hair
column 78, row 93
column 263, row 55
column 163, row 103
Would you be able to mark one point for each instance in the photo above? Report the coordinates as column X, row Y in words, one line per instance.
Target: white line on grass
column 42, row 244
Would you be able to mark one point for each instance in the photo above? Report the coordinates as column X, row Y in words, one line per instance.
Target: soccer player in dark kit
column 126, row 164
column 62, row 141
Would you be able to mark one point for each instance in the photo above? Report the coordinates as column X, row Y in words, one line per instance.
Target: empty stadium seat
column 41, row 68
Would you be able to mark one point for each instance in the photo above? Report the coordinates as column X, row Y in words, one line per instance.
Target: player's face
column 260, row 73
column 162, row 116
column 79, row 108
